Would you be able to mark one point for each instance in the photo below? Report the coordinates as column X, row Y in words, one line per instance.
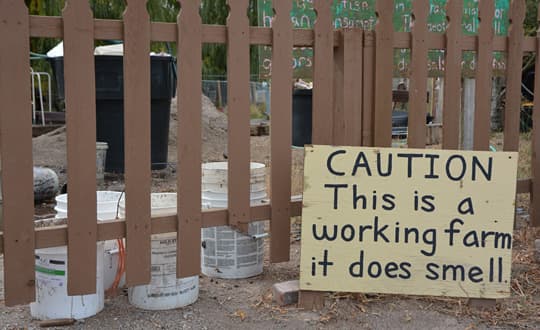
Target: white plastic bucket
column 101, row 156
column 52, row 300
column 107, row 207
column 107, row 204
column 165, row 291
column 227, row 253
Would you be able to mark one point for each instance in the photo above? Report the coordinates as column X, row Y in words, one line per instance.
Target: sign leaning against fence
column 408, row 221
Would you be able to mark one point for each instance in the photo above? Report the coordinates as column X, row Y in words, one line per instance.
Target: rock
column 45, row 184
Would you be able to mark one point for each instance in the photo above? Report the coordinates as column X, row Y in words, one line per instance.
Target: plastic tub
column 165, row 291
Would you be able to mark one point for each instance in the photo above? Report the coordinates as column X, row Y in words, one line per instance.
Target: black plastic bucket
column 302, row 117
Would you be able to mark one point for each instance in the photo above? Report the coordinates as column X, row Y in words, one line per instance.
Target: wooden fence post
column 188, row 262
column 384, row 63
column 418, row 83
column 512, row 109
column 281, row 132
column 81, row 146
column 323, row 78
column 238, row 115
column 137, row 142
column 484, row 74
column 16, row 149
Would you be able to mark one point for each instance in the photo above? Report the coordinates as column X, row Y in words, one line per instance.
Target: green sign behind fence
column 361, row 13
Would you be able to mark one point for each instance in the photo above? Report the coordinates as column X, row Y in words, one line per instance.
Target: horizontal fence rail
column 51, row 27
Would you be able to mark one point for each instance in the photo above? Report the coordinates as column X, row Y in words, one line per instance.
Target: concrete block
column 286, row 293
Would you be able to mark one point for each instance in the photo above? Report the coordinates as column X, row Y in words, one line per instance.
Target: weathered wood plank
column 452, row 78
column 81, row 146
column 281, row 132
column 107, row 230
column 16, row 154
column 51, row 27
column 384, row 64
column 138, row 173
column 368, row 81
column 238, row 114
column 323, row 65
column 352, row 81
column 338, row 129
column 419, row 74
column 484, row 74
column 513, row 76
column 188, row 261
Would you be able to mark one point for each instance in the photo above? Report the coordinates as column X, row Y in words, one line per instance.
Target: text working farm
column 408, row 221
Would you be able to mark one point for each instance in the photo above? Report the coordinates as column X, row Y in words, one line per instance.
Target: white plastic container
column 52, row 300
column 107, row 204
column 101, row 156
column 165, row 291
column 227, row 253
column 107, row 207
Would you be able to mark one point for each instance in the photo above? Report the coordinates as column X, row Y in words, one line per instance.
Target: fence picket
column 323, row 78
column 513, row 76
column 418, row 82
column 368, row 81
column 281, row 131
column 535, row 161
column 238, row 114
column 16, row 154
column 188, row 263
column 81, row 146
column 384, row 63
column 484, row 74
column 338, row 129
column 352, row 82
column 137, row 141
column 452, row 76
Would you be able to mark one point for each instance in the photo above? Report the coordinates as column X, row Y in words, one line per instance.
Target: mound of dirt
column 214, row 131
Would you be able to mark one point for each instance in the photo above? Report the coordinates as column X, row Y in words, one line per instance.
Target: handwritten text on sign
column 408, row 221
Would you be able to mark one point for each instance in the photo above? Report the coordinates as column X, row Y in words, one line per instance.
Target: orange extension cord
column 121, row 268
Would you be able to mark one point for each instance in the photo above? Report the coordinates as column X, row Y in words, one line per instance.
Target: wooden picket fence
column 352, row 102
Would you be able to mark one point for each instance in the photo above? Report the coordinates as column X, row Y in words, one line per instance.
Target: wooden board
column 512, row 108
column 80, row 97
column 188, row 261
column 323, row 64
column 384, row 61
column 281, row 133
column 137, row 139
column 16, row 154
column 484, row 74
column 352, row 92
column 445, row 229
column 452, row 78
column 238, row 114
column 368, row 81
column 419, row 73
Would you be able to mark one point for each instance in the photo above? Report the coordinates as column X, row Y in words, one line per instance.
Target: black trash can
column 302, row 117
column 110, row 106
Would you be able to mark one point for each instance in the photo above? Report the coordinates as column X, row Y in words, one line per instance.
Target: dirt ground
column 247, row 303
